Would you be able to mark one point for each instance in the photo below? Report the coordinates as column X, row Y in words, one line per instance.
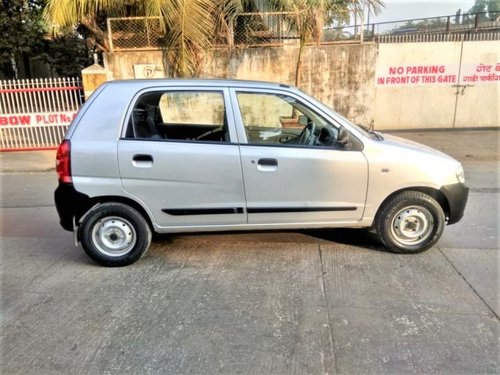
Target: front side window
column 179, row 116
column 276, row 119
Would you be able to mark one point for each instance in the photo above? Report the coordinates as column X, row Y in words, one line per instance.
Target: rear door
column 292, row 175
column 179, row 156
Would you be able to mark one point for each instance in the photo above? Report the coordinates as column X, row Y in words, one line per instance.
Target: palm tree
column 188, row 25
column 309, row 18
column 66, row 15
column 191, row 26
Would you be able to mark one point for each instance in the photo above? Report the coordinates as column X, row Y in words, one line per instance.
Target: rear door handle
column 142, row 161
column 268, row 162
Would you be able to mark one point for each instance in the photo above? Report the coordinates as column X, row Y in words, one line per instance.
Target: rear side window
column 180, row 116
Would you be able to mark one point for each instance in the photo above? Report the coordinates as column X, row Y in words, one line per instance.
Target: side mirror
column 343, row 138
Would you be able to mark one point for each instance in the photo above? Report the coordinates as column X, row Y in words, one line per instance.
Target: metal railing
column 134, row 33
column 264, row 29
column 276, row 28
column 439, row 37
column 436, row 27
column 35, row 113
column 248, row 30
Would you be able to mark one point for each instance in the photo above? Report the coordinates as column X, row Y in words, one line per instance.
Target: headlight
column 460, row 174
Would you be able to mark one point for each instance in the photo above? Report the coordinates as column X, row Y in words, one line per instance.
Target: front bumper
column 457, row 195
column 68, row 203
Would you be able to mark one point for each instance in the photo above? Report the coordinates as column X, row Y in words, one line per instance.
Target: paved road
column 312, row 302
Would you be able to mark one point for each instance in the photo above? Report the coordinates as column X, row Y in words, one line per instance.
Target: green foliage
column 309, row 18
column 24, row 38
column 67, row 55
column 492, row 7
column 21, row 33
column 191, row 27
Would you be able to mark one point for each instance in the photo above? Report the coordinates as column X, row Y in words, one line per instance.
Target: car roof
column 208, row 82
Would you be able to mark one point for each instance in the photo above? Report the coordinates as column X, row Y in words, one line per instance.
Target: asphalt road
column 296, row 302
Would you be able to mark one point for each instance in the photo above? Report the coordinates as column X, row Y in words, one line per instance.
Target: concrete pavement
column 27, row 161
column 329, row 302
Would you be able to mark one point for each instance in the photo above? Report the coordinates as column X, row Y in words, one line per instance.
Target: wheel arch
column 434, row 193
column 93, row 201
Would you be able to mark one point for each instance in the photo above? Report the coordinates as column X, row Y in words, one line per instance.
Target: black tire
column 410, row 222
column 114, row 234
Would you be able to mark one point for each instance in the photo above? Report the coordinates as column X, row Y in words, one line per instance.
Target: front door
column 176, row 156
column 295, row 168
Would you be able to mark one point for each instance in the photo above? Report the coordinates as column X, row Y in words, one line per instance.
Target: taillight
column 63, row 161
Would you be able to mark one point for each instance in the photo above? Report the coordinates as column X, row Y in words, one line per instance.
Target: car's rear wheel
column 114, row 234
column 410, row 222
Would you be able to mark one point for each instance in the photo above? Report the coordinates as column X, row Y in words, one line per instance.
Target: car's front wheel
column 410, row 222
column 114, row 234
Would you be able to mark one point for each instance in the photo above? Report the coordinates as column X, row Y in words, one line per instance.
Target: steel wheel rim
column 114, row 236
column 412, row 225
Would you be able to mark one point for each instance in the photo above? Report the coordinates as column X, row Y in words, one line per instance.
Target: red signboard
column 440, row 74
column 37, row 119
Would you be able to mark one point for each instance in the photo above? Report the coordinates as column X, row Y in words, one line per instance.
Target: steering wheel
column 306, row 137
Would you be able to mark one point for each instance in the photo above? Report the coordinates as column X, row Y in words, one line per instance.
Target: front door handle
column 142, row 161
column 142, row 157
column 267, row 165
column 268, row 162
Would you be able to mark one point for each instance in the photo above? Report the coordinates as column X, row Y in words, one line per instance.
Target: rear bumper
column 457, row 195
column 68, row 203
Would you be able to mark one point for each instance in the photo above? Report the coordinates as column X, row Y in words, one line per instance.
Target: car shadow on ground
column 349, row 236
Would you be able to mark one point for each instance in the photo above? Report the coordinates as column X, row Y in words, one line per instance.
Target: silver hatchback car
column 168, row 156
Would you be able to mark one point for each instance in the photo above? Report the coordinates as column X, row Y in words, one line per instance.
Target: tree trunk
column 100, row 37
column 298, row 66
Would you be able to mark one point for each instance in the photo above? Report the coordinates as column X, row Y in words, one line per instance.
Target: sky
column 407, row 9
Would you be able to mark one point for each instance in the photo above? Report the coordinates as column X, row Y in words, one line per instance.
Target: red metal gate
column 35, row 113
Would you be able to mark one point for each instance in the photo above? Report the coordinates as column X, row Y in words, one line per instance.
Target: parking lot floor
column 300, row 302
